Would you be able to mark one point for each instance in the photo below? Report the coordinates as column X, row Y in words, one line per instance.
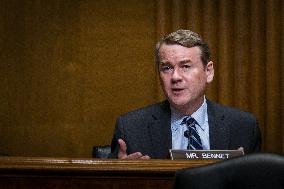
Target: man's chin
column 178, row 103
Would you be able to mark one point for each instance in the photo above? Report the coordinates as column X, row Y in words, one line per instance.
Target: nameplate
column 205, row 154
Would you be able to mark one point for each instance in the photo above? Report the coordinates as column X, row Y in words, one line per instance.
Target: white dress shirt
column 179, row 141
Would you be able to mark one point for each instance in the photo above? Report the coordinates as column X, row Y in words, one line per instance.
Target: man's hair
column 185, row 38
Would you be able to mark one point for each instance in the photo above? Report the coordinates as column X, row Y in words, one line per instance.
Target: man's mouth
column 177, row 90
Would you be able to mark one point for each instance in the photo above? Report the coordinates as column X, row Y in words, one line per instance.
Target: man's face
column 183, row 76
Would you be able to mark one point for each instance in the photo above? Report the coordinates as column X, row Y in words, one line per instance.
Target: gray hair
column 185, row 38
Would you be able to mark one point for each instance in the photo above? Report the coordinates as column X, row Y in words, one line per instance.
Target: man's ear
column 209, row 71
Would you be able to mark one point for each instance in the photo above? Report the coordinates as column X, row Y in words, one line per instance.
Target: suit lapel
column 218, row 128
column 160, row 131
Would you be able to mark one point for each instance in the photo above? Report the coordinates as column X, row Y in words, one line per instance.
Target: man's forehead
column 178, row 48
column 178, row 51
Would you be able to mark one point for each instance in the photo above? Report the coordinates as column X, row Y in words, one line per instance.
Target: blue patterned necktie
column 194, row 141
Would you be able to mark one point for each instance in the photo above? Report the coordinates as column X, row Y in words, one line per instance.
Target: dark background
column 68, row 68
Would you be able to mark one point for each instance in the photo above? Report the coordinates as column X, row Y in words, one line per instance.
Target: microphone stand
column 188, row 134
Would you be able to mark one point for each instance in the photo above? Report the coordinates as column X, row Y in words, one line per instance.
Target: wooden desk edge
column 96, row 165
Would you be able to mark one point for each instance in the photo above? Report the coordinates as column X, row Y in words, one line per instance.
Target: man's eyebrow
column 185, row 61
column 181, row 62
column 164, row 63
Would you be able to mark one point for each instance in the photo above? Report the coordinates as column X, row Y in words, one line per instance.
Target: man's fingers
column 122, row 145
column 123, row 155
column 135, row 155
column 122, row 149
column 145, row 157
column 241, row 149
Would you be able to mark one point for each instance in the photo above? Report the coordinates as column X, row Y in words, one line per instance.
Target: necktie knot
column 189, row 121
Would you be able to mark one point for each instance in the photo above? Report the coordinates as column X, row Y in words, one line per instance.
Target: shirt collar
column 200, row 115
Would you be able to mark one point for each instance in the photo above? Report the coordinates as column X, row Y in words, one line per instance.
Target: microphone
column 188, row 134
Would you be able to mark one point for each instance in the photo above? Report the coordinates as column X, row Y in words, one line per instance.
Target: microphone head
column 186, row 133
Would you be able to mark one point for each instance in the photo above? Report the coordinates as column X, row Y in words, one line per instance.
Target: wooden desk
column 58, row 173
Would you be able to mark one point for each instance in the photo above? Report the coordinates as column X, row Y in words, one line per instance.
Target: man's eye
column 165, row 68
column 185, row 67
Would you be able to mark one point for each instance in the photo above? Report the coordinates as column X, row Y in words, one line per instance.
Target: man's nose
column 176, row 75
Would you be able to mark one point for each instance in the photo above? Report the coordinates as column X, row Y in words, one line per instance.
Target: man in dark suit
column 185, row 70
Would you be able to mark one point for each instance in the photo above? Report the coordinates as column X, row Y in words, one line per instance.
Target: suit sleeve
column 118, row 133
column 256, row 139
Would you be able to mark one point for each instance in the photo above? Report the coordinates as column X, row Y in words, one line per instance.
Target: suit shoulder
column 152, row 109
column 230, row 111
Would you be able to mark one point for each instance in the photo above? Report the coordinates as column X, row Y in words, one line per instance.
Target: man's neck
column 189, row 109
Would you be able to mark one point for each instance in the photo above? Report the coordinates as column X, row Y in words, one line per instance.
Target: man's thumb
column 122, row 150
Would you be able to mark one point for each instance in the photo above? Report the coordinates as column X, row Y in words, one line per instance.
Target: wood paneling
column 69, row 68
column 246, row 41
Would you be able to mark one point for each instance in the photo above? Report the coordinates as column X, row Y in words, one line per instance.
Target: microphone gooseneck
column 188, row 134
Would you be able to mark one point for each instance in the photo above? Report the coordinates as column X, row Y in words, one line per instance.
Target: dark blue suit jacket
column 148, row 130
